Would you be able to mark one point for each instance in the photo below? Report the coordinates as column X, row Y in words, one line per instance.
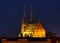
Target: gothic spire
column 24, row 10
column 24, row 17
column 31, row 18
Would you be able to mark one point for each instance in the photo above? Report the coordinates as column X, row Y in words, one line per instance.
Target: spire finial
column 31, row 10
column 24, row 17
column 39, row 19
column 24, row 10
column 31, row 18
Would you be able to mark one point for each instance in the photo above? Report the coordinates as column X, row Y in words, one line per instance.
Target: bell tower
column 23, row 25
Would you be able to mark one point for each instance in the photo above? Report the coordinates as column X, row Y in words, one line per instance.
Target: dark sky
column 11, row 14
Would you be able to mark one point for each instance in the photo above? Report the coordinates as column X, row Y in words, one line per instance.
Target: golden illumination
column 31, row 29
column 39, row 31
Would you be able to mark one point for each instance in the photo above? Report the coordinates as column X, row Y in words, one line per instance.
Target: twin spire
column 24, row 18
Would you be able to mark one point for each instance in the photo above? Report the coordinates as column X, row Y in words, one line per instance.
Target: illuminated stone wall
column 31, row 29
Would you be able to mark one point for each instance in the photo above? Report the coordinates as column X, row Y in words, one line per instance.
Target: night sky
column 11, row 14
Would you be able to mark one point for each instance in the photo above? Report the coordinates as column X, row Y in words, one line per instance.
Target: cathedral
column 31, row 29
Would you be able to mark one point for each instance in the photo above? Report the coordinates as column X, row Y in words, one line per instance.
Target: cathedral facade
column 31, row 29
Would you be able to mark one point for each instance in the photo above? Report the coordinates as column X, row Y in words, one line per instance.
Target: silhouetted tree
column 53, row 37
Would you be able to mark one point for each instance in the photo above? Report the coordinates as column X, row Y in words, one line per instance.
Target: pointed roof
column 31, row 18
column 24, row 17
column 39, row 21
column 31, row 11
column 24, row 11
column 39, row 25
